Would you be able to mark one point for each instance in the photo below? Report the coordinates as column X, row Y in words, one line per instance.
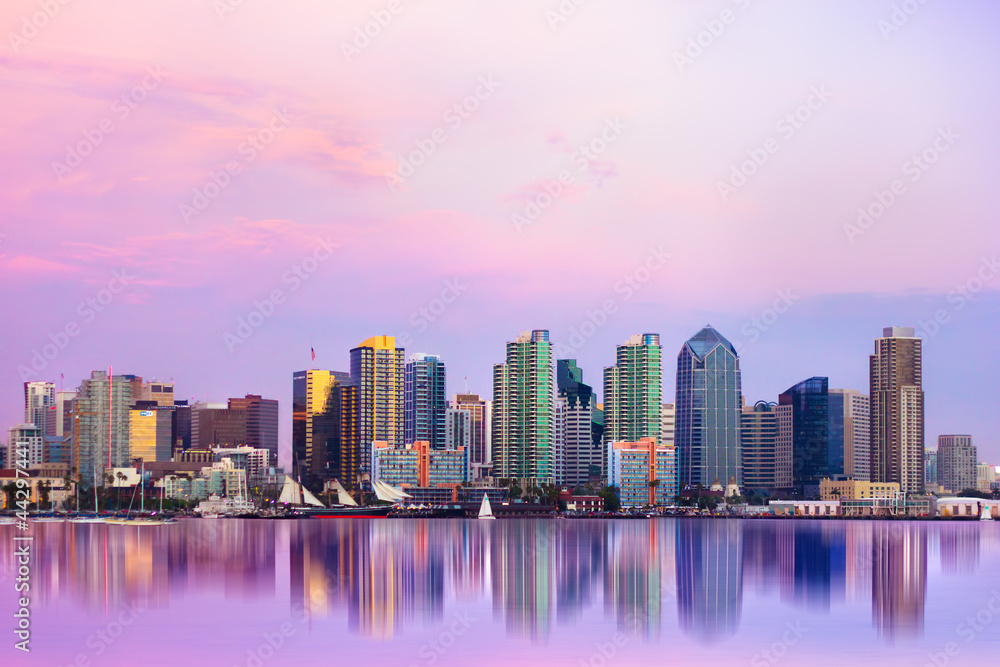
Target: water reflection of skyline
column 384, row 577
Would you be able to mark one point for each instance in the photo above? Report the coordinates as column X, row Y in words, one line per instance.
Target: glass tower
column 709, row 406
column 377, row 368
column 633, row 391
column 817, row 433
column 580, row 450
column 424, row 400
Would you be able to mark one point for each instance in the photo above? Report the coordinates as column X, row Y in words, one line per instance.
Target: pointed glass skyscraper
column 709, row 405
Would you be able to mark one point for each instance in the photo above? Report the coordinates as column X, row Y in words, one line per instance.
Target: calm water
column 518, row 592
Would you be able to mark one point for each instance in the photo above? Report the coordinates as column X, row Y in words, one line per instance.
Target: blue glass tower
column 424, row 403
column 817, row 433
column 709, row 407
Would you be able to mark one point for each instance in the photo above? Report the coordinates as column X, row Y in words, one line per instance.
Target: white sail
column 397, row 494
column 382, row 494
column 288, row 492
column 343, row 497
column 485, row 511
column 309, row 498
column 985, row 514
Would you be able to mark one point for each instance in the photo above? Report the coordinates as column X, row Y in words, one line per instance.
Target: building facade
column 524, row 419
column 151, row 433
column 633, row 390
column 40, row 406
column 378, row 371
column 643, row 472
column 759, row 443
column 853, row 411
column 101, row 417
column 480, row 441
column 897, row 410
column 424, row 402
column 26, row 446
column 817, row 434
column 419, row 465
column 261, row 422
column 709, row 408
column 326, row 429
column 581, row 455
column 956, row 462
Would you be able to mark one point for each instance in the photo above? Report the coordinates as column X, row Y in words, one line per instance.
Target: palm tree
column 121, row 479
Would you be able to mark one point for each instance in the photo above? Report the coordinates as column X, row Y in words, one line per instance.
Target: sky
column 203, row 190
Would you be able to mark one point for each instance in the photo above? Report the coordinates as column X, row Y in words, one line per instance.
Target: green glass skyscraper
column 524, row 427
column 633, row 391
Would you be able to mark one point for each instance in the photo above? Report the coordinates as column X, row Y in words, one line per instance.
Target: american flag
column 313, row 353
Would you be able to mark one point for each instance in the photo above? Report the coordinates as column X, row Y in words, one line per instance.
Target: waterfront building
column 424, row 402
column 326, row 429
column 759, row 441
column 419, row 465
column 853, row 489
column 26, row 446
column 817, row 439
column 897, row 409
column 378, row 371
column 253, row 460
column 633, row 390
column 986, row 475
column 480, row 439
column 643, row 472
column 709, row 407
column 524, row 420
column 261, row 422
column 151, row 433
column 581, row 454
column 100, row 430
column 850, row 414
column 40, row 406
column 956, row 462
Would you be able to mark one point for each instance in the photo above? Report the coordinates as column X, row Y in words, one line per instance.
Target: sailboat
column 86, row 518
column 485, row 511
column 985, row 514
column 348, row 507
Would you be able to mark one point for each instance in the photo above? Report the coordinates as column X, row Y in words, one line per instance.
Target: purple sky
column 118, row 113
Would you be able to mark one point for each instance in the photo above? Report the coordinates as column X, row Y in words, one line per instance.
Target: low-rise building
column 805, row 507
column 418, row 465
column 852, row 489
column 643, row 472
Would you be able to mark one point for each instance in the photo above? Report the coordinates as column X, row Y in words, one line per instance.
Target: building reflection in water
column 380, row 577
column 710, row 577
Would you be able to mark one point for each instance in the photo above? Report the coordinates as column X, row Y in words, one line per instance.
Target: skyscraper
column 956, row 462
column 480, row 440
column 930, row 468
column 25, row 445
column 817, row 436
column 457, row 429
column 633, row 390
column 101, row 423
column 325, row 427
column 897, row 410
column 668, row 417
column 261, row 419
column 39, row 406
column 377, row 369
column 151, row 432
column 524, row 394
column 758, row 444
column 709, row 405
column 424, row 400
column 578, row 401
column 855, row 409
column 215, row 424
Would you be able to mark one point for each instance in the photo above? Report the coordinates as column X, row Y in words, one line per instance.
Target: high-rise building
column 524, row 420
column 161, row 393
column 817, row 435
column 633, row 390
column 644, row 473
column 851, row 408
column 956, row 462
column 64, row 412
column 151, row 432
column 457, row 429
column 39, row 406
column 897, row 410
column 261, row 422
column 930, row 468
column 25, row 446
column 377, row 369
column 424, row 400
column 986, row 476
column 580, row 453
column 480, row 445
column 783, row 449
column 759, row 442
column 214, row 424
column 101, row 424
column 182, row 425
column 668, row 417
column 326, row 433
column 709, row 407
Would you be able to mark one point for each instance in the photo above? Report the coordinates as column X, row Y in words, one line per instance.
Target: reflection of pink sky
column 324, row 175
